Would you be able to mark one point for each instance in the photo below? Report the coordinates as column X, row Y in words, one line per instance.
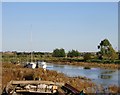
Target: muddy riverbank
column 89, row 64
column 17, row 72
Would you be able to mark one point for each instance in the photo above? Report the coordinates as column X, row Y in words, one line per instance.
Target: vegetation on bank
column 17, row 72
column 106, row 50
column 58, row 53
column 105, row 55
column 26, row 57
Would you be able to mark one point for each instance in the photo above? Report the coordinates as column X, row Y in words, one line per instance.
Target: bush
column 58, row 53
column 87, row 56
column 73, row 53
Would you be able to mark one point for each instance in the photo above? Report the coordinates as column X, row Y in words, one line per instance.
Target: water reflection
column 61, row 66
column 101, row 76
column 108, row 72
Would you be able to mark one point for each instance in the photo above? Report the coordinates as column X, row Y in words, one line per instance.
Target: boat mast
column 31, row 42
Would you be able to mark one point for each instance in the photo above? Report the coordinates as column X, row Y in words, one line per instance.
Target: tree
column 87, row 56
column 73, row 53
column 58, row 53
column 106, row 50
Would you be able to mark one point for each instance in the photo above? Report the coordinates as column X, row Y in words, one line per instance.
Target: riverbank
column 17, row 72
column 88, row 64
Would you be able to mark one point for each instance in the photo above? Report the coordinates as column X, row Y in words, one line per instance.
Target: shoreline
column 88, row 64
column 17, row 72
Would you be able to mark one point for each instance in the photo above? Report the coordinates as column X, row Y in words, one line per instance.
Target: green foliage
column 106, row 50
column 104, row 61
column 58, row 53
column 73, row 53
column 87, row 56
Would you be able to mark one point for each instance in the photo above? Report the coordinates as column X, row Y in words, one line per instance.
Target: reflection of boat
column 30, row 88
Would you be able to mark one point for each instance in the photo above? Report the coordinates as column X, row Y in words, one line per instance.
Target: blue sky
column 72, row 25
column 0, row 26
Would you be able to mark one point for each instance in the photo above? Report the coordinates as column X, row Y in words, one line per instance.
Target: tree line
column 106, row 51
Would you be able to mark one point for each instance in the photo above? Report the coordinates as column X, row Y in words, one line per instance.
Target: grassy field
column 22, row 58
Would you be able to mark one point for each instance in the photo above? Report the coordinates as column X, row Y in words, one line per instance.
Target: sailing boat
column 31, row 64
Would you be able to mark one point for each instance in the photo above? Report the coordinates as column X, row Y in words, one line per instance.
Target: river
column 105, row 77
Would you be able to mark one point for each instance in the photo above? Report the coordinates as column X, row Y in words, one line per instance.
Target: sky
column 69, row 25
column 0, row 27
column 60, row 0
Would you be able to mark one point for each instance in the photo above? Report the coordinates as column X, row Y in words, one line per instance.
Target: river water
column 105, row 77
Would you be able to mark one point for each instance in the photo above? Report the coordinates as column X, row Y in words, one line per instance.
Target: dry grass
column 17, row 72
column 114, row 89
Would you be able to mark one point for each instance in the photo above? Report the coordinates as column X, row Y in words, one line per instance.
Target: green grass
column 25, row 58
